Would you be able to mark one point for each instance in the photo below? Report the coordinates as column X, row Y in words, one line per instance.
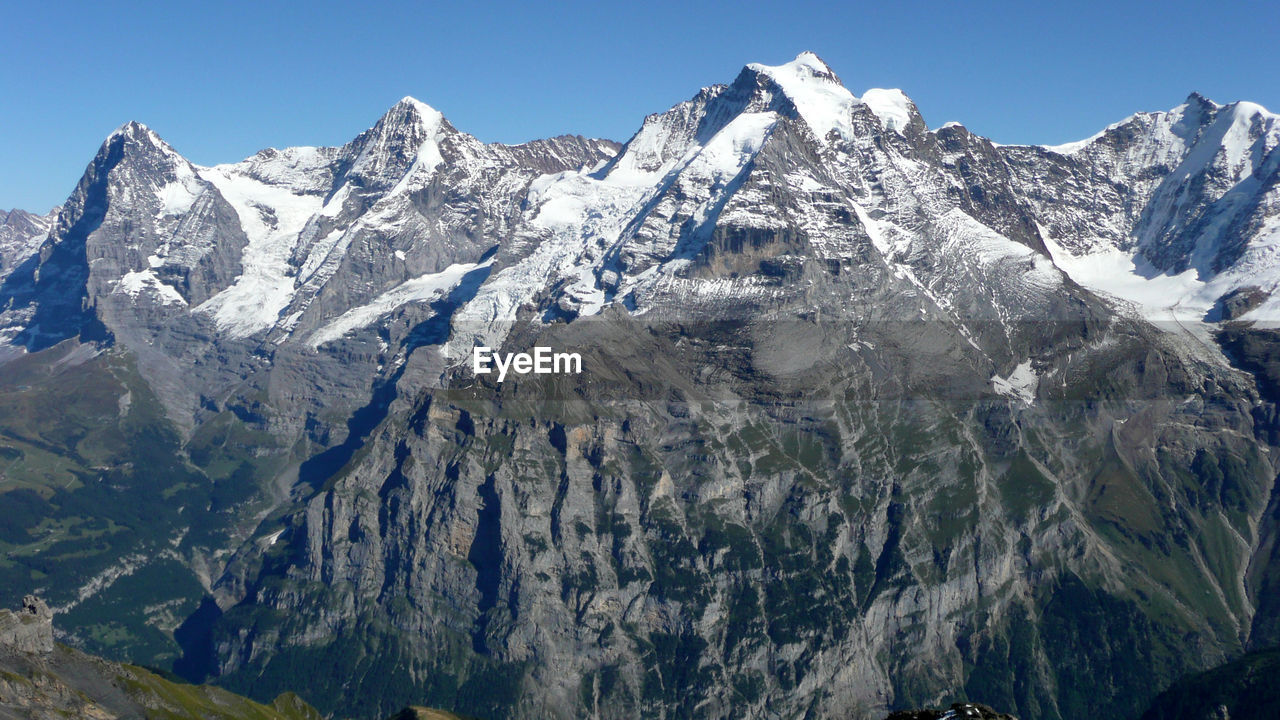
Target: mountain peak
column 817, row 93
column 140, row 135
column 805, row 65
column 132, row 129
column 409, row 130
column 1196, row 98
column 412, row 112
column 413, row 104
column 892, row 106
column 137, row 132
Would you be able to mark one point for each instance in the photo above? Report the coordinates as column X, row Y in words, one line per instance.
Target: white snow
column 430, row 125
column 272, row 217
column 425, row 288
column 318, row 253
column 1020, row 385
column 177, row 197
column 295, row 167
column 578, row 216
column 1237, row 137
column 588, row 296
column 135, row 283
column 874, row 230
column 984, row 244
column 1078, row 145
column 725, row 154
column 893, row 107
column 806, row 183
column 334, row 207
column 1231, row 151
column 426, row 161
column 1128, row 277
column 822, row 101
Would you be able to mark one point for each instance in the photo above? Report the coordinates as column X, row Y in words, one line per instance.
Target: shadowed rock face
column 1247, row 688
column 848, row 436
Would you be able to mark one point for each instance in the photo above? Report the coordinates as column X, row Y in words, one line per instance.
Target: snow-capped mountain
column 1171, row 211
column 872, row 415
column 21, row 233
column 1166, row 210
column 289, row 247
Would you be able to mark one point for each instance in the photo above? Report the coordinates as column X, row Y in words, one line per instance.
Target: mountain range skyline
column 291, row 76
column 872, row 416
column 35, row 209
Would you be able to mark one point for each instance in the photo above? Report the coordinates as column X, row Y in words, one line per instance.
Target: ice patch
column 177, row 197
column 1127, row 277
column 272, row 217
column 135, row 283
column 420, row 289
column 893, row 107
column 725, row 154
column 1020, row 385
column 319, row 252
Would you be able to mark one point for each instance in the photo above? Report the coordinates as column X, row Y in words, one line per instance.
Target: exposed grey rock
column 1237, row 302
column 21, row 233
column 65, row 682
column 848, row 436
column 29, row 629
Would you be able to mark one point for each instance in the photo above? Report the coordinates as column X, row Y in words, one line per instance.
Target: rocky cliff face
column 871, row 416
column 30, row 629
column 20, row 234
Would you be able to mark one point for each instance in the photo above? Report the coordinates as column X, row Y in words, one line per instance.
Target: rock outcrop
column 29, row 629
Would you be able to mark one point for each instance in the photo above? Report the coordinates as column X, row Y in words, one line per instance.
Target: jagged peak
column 1209, row 111
column 132, row 129
column 422, row 109
column 1196, row 99
column 410, row 111
column 14, row 215
column 143, row 137
column 1187, row 120
column 409, row 120
column 410, row 130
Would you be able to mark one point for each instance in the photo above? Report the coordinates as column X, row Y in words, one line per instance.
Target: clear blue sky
column 221, row 80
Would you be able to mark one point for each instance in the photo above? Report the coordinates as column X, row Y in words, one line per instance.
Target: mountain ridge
column 863, row 425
